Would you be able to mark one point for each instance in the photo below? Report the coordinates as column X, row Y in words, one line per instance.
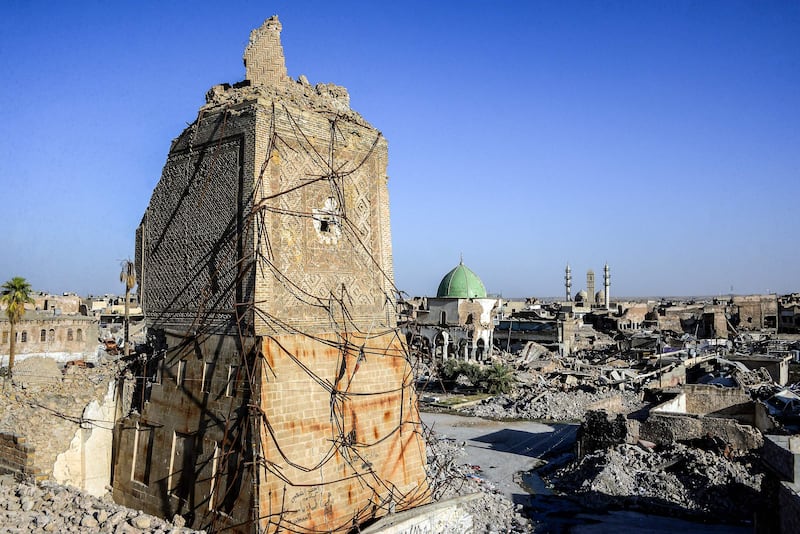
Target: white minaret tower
column 607, row 286
column 568, row 283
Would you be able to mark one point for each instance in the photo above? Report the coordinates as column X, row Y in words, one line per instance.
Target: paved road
column 502, row 449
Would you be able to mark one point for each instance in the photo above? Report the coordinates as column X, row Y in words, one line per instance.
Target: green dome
column 461, row 283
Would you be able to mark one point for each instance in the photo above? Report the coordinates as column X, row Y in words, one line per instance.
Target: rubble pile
column 49, row 408
column 677, row 480
column 534, row 402
column 49, row 507
column 448, row 477
column 39, row 393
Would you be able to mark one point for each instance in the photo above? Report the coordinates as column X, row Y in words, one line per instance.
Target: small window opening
column 181, row 466
column 233, row 373
column 142, row 454
column 208, row 373
column 180, row 375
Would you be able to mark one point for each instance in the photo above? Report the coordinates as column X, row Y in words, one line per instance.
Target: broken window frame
column 215, row 457
column 180, row 483
column 229, row 474
column 142, row 442
column 233, row 381
column 158, row 377
column 208, row 377
column 180, row 373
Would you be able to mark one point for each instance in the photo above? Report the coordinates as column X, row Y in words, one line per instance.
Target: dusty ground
column 501, row 449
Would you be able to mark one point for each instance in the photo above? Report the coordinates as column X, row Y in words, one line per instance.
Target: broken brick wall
column 599, row 431
column 708, row 399
column 334, row 410
column 755, row 312
column 669, row 428
column 58, row 427
column 17, row 456
column 186, row 450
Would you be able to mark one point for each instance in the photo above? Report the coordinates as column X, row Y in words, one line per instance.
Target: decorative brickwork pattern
column 191, row 241
column 263, row 57
column 320, row 162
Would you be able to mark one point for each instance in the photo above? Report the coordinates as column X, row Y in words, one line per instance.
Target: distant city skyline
column 661, row 138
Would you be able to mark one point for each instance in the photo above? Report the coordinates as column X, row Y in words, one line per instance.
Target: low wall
column 705, row 399
column 445, row 517
column 781, row 455
column 789, row 509
column 668, row 428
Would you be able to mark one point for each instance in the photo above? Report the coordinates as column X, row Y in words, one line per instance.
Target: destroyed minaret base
column 263, row 58
column 278, row 391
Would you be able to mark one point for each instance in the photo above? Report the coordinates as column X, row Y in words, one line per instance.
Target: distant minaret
column 568, row 283
column 590, row 285
column 607, row 286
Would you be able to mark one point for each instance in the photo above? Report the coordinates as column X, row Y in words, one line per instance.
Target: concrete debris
column 36, row 371
column 536, row 402
column 449, row 477
column 50, row 507
column 675, row 480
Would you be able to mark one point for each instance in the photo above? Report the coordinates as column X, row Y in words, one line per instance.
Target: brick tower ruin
column 277, row 393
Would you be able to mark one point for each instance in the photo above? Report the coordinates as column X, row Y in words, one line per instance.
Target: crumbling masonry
column 277, row 395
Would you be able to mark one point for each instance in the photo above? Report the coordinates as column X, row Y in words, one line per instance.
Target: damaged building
column 47, row 334
column 458, row 323
column 276, row 394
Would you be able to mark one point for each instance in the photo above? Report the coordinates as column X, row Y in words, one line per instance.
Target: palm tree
column 128, row 277
column 15, row 294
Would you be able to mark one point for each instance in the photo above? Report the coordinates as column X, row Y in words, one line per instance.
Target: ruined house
column 757, row 313
column 789, row 309
column 60, row 337
column 277, row 395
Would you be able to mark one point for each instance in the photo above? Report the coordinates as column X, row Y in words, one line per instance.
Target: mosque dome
column 582, row 296
column 600, row 297
column 461, row 283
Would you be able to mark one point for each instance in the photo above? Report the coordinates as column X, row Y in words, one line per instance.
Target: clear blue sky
column 661, row 137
